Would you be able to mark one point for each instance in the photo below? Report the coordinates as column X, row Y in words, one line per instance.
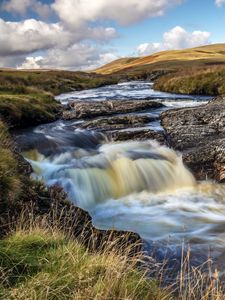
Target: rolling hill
column 173, row 59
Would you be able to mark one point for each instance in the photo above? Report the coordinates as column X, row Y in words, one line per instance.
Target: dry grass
column 42, row 261
column 211, row 53
column 200, row 81
column 10, row 185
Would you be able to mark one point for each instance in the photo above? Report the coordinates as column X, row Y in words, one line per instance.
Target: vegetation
column 191, row 71
column 43, row 261
column 204, row 81
column 10, row 184
column 40, row 264
column 172, row 60
column 51, row 256
column 27, row 97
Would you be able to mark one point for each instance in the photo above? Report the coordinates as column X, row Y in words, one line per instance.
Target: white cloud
column 75, row 12
column 176, row 38
column 73, row 41
column 219, row 3
column 78, row 56
column 31, row 35
column 22, row 6
column 31, row 63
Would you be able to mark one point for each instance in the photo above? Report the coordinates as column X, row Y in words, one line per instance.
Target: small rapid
column 116, row 170
column 138, row 186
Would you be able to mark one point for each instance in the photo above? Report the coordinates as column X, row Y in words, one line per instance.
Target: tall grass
column 10, row 185
column 199, row 81
column 39, row 261
column 42, row 260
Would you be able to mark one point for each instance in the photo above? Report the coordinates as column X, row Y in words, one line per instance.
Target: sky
column 85, row 34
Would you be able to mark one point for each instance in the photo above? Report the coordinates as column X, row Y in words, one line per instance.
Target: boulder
column 199, row 132
column 118, row 122
column 137, row 135
column 91, row 109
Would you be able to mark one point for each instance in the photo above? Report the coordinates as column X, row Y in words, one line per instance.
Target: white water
column 142, row 187
column 116, row 171
column 132, row 90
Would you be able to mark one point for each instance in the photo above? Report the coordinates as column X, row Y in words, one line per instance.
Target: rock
column 199, row 133
column 92, row 109
column 49, row 206
column 138, row 135
column 77, row 222
column 118, row 122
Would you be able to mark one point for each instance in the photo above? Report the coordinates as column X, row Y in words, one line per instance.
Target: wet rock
column 118, row 122
column 138, row 135
column 199, row 133
column 79, row 223
column 92, row 109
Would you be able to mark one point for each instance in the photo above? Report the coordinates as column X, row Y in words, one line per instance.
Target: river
column 136, row 186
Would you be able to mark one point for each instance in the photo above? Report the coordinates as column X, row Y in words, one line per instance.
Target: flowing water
column 137, row 186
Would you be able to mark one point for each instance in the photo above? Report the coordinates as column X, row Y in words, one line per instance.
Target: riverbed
column 138, row 186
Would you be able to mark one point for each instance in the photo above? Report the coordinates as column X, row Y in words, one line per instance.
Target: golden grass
column 213, row 53
column 43, row 261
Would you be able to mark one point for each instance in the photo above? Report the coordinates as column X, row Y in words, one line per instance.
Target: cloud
column 31, row 35
column 31, row 63
column 176, row 38
column 76, row 39
column 74, row 13
column 219, row 3
column 78, row 56
column 21, row 7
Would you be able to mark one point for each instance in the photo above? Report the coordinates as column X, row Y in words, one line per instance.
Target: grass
column 39, row 264
column 202, row 81
column 167, row 60
column 198, row 70
column 26, row 110
column 10, row 184
column 39, row 260
column 27, row 97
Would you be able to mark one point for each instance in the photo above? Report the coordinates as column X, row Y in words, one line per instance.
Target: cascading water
column 117, row 170
column 137, row 186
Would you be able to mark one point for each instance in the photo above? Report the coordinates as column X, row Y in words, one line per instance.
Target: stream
column 135, row 186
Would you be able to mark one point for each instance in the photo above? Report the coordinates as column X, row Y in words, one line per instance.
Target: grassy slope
column 192, row 71
column 26, row 97
column 168, row 59
column 43, row 265
column 10, row 184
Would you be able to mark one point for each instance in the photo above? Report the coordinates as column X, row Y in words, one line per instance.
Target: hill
column 200, row 56
column 198, row 70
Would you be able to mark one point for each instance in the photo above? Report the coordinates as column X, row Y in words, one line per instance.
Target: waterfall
column 114, row 171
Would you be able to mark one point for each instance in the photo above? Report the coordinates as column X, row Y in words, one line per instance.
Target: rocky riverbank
column 90, row 109
column 199, row 133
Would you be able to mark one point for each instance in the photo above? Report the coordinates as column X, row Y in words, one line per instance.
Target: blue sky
column 73, row 34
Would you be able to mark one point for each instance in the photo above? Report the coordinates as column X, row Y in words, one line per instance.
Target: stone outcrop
column 137, row 135
column 91, row 109
column 118, row 122
column 199, row 133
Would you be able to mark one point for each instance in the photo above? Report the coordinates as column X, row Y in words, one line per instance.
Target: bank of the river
column 118, row 183
column 54, row 139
